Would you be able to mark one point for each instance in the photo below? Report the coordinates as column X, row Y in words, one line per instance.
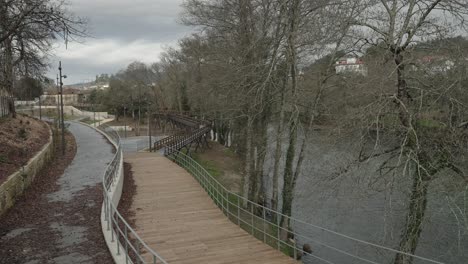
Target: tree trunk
column 258, row 193
column 8, row 73
column 288, row 186
column 248, row 160
column 418, row 198
column 402, row 90
column 414, row 219
column 277, row 158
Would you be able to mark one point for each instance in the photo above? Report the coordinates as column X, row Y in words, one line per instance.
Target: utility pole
column 57, row 98
column 149, row 130
column 125, row 122
column 61, row 106
column 94, row 115
column 40, row 112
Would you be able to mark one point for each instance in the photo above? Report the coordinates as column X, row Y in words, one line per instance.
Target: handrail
column 180, row 141
column 264, row 223
column 261, row 222
column 128, row 241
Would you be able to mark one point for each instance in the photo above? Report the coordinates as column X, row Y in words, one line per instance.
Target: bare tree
column 395, row 28
column 27, row 29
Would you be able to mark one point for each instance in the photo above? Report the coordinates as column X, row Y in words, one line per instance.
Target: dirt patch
column 128, row 193
column 223, row 160
column 125, row 204
column 36, row 229
column 20, row 139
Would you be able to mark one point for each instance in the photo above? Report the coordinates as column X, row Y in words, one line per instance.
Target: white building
column 351, row 65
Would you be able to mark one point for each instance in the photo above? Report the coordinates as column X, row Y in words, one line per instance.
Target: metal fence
column 5, row 104
column 258, row 220
column 134, row 249
column 264, row 224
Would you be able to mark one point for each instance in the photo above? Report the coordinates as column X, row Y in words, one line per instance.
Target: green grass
column 428, row 123
column 87, row 120
column 209, row 166
column 229, row 152
column 4, row 159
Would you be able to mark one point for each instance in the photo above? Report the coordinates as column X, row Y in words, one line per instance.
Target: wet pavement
column 60, row 222
column 135, row 144
column 93, row 154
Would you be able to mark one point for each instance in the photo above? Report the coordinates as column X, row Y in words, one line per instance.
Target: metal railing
column 261, row 222
column 128, row 243
column 167, row 141
column 265, row 224
column 186, row 140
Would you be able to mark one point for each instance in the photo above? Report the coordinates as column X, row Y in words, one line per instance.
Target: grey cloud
column 121, row 31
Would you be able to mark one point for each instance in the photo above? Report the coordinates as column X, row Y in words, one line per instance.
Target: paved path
column 175, row 217
column 135, row 144
column 59, row 222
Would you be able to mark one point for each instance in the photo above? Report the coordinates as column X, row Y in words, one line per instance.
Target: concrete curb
column 18, row 182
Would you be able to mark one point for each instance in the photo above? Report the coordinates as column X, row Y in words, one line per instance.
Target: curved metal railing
column 264, row 224
column 128, row 243
column 261, row 222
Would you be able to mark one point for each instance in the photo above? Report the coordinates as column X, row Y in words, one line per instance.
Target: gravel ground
column 58, row 219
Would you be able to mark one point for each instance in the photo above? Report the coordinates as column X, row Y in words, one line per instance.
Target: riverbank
column 222, row 163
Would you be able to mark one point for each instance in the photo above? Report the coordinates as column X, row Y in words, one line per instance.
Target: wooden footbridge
column 192, row 133
column 186, row 216
column 181, row 214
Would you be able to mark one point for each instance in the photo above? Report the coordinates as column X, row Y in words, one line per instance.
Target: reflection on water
column 359, row 202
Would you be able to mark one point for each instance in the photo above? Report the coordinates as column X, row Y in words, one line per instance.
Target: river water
column 356, row 201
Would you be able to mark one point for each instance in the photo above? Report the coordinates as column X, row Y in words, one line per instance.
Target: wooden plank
column 176, row 218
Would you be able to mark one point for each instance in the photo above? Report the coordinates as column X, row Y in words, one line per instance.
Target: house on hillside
column 434, row 64
column 98, row 86
column 351, row 65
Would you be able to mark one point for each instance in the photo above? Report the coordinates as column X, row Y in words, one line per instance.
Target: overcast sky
column 122, row 31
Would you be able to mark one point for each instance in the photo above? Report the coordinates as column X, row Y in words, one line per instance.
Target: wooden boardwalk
column 176, row 218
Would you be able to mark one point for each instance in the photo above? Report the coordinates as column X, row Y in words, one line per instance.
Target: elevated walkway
column 177, row 218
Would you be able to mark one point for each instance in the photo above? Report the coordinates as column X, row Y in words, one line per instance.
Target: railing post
column 118, row 247
column 217, row 195
column 108, row 213
column 112, row 224
column 295, row 238
column 238, row 210
column 227, row 203
column 138, row 251
column 126, row 244
column 264, row 225
column 252, row 218
column 278, row 231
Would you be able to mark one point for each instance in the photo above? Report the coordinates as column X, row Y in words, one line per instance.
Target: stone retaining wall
column 18, row 182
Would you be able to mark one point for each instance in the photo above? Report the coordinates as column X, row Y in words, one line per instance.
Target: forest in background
column 256, row 64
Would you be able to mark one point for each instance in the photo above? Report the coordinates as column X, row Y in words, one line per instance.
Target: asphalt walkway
column 58, row 219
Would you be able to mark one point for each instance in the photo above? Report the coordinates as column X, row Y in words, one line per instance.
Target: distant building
column 71, row 96
column 434, row 64
column 351, row 65
column 99, row 86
